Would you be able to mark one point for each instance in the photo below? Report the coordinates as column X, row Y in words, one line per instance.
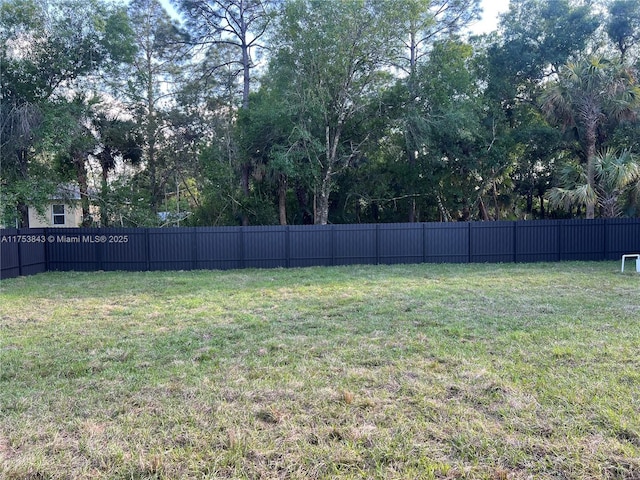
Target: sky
column 491, row 10
column 488, row 23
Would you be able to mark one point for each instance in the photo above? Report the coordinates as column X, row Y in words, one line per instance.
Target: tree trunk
column 412, row 84
column 610, row 206
column 151, row 134
column 591, row 132
column 495, row 202
column 466, row 213
column 331, row 155
column 246, row 75
column 83, row 184
column 412, row 211
column 22, row 207
column 303, row 206
column 246, row 79
column 104, row 193
column 445, row 216
column 322, row 205
column 483, row 209
column 23, row 215
column 282, row 199
column 322, row 212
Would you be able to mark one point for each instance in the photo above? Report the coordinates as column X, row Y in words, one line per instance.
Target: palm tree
column 587, row 95
column 614, row 175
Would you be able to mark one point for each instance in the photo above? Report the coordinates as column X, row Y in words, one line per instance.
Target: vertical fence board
column 623, row 236
column 33, row 254
column 446, row 242
column 582, row 240
column 171, row 248
column 310, row 245
column 219, row 248
column 355, row 244
column 492, row 242
column 124, row 249
column 400, row 243
column 537, row 241
column 9, row 254
column 68, row 250
column 265, row 247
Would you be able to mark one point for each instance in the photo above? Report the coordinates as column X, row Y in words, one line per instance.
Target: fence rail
column 30, row 251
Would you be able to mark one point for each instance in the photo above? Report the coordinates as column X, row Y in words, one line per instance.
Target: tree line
column 227, row 112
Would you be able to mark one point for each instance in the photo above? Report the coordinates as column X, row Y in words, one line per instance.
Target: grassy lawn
column 418, row 371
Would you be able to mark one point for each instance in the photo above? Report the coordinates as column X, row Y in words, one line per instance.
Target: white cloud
column 489, row 21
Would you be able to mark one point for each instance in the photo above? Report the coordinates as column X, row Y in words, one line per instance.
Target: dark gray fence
column 29, row 251
column 18, row 258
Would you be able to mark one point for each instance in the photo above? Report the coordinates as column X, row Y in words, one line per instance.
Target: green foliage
column 333, row 54
column 35, row 190
column 591, row 94
column 623, row 26
column 538, row 148
column 616, row 182
column 220, row 190
column 536, row 35
column 48, row 45
column 300, row 111
column 48, row 50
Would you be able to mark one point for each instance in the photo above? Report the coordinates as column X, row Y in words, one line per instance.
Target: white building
column 64, row 210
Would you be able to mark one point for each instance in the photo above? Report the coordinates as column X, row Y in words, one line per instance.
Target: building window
column 58, row 214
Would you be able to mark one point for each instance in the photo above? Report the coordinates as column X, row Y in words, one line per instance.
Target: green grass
column 420, row 371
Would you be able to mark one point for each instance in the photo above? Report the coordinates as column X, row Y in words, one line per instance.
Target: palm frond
column 567, row 198
column 616, row 171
